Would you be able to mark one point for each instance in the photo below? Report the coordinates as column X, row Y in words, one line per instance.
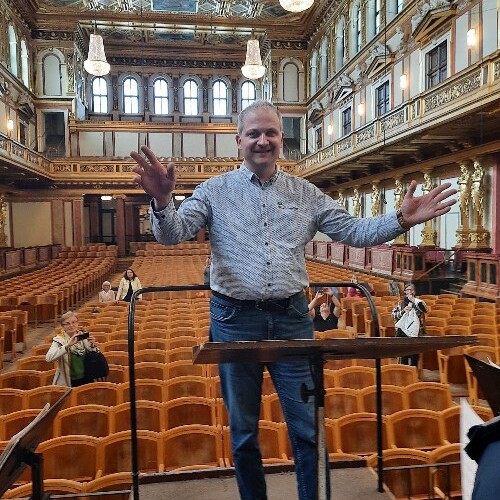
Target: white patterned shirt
column 258, row 232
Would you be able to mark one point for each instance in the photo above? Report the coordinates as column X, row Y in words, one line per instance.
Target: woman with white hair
column 106, row 294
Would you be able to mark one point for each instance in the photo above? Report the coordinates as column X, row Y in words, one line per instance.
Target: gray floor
column 347, row 484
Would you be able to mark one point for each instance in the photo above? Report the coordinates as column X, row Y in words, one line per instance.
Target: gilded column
column 3, row 221
column 464, row 193
column 341, row 199
column 399, row 194
column 479, row 237
column 375, row 198
column 429, row 234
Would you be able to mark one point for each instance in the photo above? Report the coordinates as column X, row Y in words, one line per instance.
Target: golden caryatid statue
column 478, row 236
column 464, row 194
column 477, row 193
column 375, row 198
column 3, row 221
column 356, row 203
column 399, row 194
column 341, row 199
column 429, row 235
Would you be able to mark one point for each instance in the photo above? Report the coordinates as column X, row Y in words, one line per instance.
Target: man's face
column 261, row 140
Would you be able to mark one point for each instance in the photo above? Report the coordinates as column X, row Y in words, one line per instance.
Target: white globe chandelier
column 253, row 67
column 296, row 5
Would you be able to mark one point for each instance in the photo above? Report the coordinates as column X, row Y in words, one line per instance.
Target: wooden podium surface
column 362, row 348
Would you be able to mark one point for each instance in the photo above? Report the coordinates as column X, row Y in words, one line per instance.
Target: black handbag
column 95, row 365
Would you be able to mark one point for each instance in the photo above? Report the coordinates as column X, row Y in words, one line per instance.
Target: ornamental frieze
column 344, row 145
column 288, row 45
column 496, row 70
column 17, row 150
column 218, row 169
column 366, row 134
column 328, row 153
column 452, row 92
column 3, row 142
column 127, row 168
column 62, row 168
column 187, row 169
column 172, row 63
column 393, row 121
column 92, row 167
column 66, row 36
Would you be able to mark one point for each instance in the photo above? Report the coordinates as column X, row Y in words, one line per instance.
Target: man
column 327, row 318
column 259, row 220
column 409, row 315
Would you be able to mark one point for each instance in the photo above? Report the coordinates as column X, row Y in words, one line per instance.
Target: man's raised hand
column 157, row 180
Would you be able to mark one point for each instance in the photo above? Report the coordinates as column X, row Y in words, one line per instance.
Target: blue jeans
column 241, row 385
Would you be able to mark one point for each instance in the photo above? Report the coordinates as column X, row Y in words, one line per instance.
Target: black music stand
column 20, row 451
column 317, row 351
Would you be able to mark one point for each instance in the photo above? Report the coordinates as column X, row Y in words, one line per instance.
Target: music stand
column 20, row 451
column 317, row 351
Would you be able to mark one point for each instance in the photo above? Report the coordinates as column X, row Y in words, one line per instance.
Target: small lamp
column 471, row 38
column 361, row 109
column 403, row 81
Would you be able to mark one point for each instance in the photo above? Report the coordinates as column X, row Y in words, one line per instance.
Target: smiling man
column 259, row 220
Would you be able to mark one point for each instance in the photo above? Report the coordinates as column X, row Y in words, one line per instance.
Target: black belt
column 270, row 305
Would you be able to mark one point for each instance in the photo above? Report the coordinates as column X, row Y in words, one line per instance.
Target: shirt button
column 265, row 224
column 266, row 243
column 268, row 263
column 269, row 284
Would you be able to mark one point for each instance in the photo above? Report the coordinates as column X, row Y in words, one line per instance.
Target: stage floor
column 347, row 484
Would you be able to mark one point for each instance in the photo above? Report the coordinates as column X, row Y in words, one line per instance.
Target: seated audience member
column 129, row 284
column 409, row 315
column 68, row 350
column 326, row 317
column 106, row 294
column 354, row 292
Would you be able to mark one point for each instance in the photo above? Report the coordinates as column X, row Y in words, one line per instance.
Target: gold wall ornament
column 3, row 221
column 464, row 194
column 399, row 194
column 429, row 234
column 477, row 193
column 341, row 199
column 356, row 203
column 478, row 236
column 375, row 198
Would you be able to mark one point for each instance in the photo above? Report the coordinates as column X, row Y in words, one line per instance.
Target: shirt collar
column 253, row 178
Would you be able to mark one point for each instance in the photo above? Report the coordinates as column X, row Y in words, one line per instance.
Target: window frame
column 247, row 83
column 440, row 69
column 101, row 98
column 162, row 99
column 346, row 125
column 386, row 107
column 190, row 102
column 130, row 99
column 217, row 99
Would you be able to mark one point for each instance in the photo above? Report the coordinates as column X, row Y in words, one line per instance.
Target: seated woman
column 106, row 294
column 327, row 318
column 68, row 350
column 354, row 292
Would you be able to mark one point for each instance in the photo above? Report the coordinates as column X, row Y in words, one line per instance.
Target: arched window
column 13, row 50
column 314, row 72
column 357, row 28
column 400, row 6
column 340, row 44
column 52, row 78
column 25, row 75
column 290, row 82
column 130, row 96
column 190, row 97
column 377, row 16
column 323, row 73
column 248, row 94
column 99, row 95
column 220, row 98
column 160, row 96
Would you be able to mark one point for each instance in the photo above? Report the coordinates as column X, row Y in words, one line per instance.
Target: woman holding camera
column 68, row 350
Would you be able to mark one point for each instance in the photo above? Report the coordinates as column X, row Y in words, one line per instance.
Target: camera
column 83, row 336
column 322, row 290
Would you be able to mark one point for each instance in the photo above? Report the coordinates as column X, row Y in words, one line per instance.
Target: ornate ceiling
column 174, row 27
